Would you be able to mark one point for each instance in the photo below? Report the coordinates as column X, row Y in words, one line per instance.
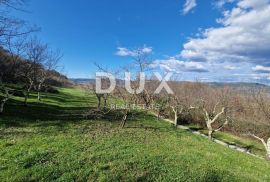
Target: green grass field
column 53, row 141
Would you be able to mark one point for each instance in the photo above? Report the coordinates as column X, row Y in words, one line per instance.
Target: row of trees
column 24, row 59
column 216, row 108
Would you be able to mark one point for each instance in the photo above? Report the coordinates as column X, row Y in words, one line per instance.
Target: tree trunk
column 158, row 115
column 210, row 121
column 26, row 98
column 39, row 89
column 105, row 102
column 175, row 116
column 39, row 99
column 2, row 105
column 210, row 130
column 124, row 120
column 210, row 134
column 175, row 119
column 27, row 94
column 268, row 149
column 268, row 156
column 2, row 108
column 99, row 101
column 266, row 144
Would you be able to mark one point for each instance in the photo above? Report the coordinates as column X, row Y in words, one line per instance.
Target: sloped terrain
column 53, row 141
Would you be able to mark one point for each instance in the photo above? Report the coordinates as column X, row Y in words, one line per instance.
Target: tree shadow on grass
column 44, row 115
column 16, row 114
column 64, row 98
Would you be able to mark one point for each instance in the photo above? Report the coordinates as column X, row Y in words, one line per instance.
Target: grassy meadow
column 52, row 140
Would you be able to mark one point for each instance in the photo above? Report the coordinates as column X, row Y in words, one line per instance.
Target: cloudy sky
column 215, row 40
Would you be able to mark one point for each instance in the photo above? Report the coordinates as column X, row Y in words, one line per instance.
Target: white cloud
column 147, row 50
column 261, row 78
column 243, row 36
column 121, row 51
column 253, row 3
column 221, row 3
column 229, row 67
column 188, row 6
column 174, row 65
column 261, row 69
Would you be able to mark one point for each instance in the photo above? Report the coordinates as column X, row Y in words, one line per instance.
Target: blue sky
column 180, row 34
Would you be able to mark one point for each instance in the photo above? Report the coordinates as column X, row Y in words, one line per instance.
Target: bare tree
column 49, row 64
column 162, row 102
column 27, row 72
column 4, row 99
column 261, row 98
column 101, row 96
column 141, row 64
column 15, row 50
column 36, row 55
column 6, row 93
column 266, row 144
column 105, row 83
column 210, row 101
column 128, row 100
column 13, row 4
column 180, row 102
column 177, row 107
column 11, row 27
column 212, row 117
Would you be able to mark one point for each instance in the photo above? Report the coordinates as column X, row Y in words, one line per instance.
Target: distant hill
column 11, row 69
column 83, row 81
column 236, row 85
